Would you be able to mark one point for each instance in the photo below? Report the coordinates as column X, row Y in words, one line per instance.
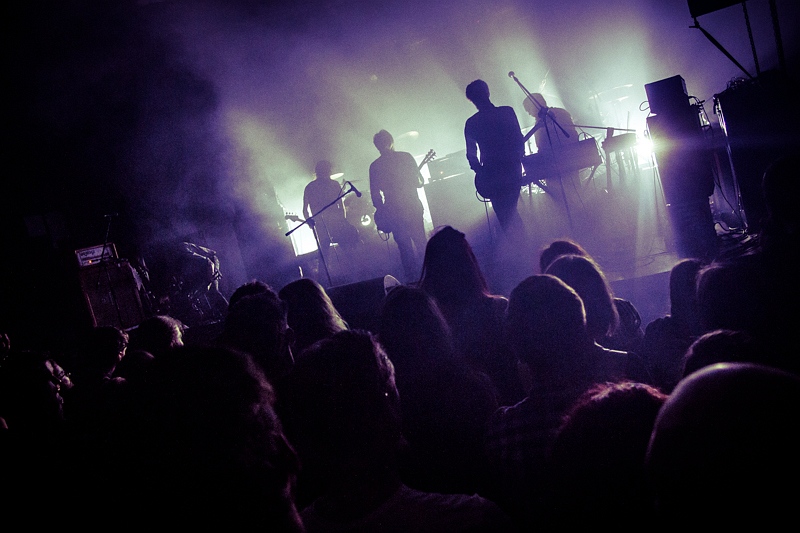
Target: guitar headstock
column 293, row 217
column 428, row 157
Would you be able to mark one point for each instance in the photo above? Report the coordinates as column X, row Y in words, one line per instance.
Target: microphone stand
column 313, row 225
column 540, row 109
column 543, row 112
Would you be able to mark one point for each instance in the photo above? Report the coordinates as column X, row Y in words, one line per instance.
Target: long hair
column 450, row 270
column 310, row 312
column 585, row 276
column 558, row 248
column 413, row 330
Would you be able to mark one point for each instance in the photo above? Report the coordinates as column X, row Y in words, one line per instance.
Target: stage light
column 644, row 148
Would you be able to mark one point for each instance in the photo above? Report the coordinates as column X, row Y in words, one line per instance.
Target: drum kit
column 184, row 283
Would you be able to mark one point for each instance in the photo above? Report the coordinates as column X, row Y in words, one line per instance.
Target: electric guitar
column 341, row 232
column 383, row 219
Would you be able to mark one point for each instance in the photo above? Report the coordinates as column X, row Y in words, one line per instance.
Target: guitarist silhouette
column 495, row 131
column 331, row 225
column 394, row 178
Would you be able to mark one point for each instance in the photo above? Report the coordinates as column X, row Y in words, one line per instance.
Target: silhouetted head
column 585, row 276
column 383, row 141
column 102, row 350
column 342, row 407
column 246, row 289
column 478, row 92
column 734, row 297
column 545, row 321
column 598, row 454
column 257, row 324
column 683, row 289
column 157, row 334
column 413, row 329
column 724, row 450
column 450, row 269
column 310, row 312
column 30, row 398
column 720, row 346
column 204, row 445
column 531, row 107
column 323, row 169
column 558, row 248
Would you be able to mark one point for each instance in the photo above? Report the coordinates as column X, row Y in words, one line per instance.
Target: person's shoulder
column 506, row 109
column 503, row 415
column 413, row 510
column 659, row 325
column 403, row 156
column 452, row 512
column 628, row 313
column 499, row 301
column 495, row 304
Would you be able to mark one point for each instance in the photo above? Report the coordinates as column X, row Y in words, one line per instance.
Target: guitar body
column 484, row 185
column 499, row 180
column 383, row 221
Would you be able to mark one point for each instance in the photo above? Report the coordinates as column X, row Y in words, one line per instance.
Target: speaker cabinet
column 759, row 118
column 359, row 303
column 667, row 95
column 684, row 161
column 111, row 291
column 686, row 174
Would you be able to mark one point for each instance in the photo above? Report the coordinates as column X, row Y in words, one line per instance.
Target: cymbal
column 337, row 175
column 408, row 135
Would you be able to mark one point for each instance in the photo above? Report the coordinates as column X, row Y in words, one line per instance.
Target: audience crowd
column 552, row 407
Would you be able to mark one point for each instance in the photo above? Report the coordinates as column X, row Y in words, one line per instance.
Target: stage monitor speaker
column 667, row 96
column 359, row 303
column 111, row 292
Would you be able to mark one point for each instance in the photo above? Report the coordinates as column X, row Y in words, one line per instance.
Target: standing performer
column 394, row 178
column 495, row 132
column 547, row 133
column 331, row 225
column 552, row 132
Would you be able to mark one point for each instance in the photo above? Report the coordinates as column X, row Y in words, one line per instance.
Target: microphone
column 511, row 74
column 353, row 188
